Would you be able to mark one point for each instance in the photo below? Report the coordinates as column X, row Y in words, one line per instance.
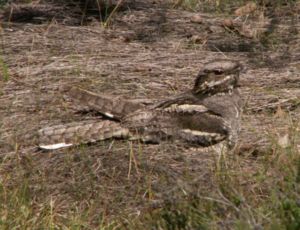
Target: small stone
column 246, row 9
column 228, row 23
column 216, row 29
column 197, row 19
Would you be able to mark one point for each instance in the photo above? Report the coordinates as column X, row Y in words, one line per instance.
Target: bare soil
column 149, row 50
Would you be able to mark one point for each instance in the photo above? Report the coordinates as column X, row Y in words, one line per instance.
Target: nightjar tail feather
column 83, row 132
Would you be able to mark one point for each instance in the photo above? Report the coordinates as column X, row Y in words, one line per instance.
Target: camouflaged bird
column 207, row 114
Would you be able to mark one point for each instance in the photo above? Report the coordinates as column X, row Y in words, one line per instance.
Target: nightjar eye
column 218, row 72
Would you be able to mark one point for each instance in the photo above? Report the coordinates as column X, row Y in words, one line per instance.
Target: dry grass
column 148, row 51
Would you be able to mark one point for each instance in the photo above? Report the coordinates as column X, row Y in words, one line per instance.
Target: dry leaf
column 284, row 141
column 216, row 29
column 228, row 23
column 280, row 113
column 247, row 9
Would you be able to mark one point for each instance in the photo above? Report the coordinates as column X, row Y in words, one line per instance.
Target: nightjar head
column 220, row 76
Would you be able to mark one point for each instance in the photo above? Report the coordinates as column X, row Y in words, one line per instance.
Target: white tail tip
column 55, row 146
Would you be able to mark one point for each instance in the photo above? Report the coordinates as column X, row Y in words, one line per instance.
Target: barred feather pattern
column 112, row 107
column 81, row 132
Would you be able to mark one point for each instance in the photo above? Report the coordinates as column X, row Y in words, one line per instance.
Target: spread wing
column 111, row 107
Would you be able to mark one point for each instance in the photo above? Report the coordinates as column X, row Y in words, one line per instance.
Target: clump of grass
column 265, row 197
column 4, row 69
column 246, row 192
column 109, row 15
column 226, row 6
column 187, row 4
column 3, row 2
column 106, row 10
column 209, row 5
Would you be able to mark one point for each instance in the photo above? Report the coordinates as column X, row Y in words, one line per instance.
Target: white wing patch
column 109, row 115
column 202, row 134
column 55, row 146
column 237, row 115
column 199, row 136
column 186, row 108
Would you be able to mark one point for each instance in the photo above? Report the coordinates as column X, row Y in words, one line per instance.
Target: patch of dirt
column 147, row 51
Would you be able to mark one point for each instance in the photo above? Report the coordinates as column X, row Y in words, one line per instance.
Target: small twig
column 112, row 13
column 284, row 103
column 130, row 160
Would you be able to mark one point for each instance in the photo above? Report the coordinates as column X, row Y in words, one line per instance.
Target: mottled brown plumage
column 112, row 107
column 207, row 114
